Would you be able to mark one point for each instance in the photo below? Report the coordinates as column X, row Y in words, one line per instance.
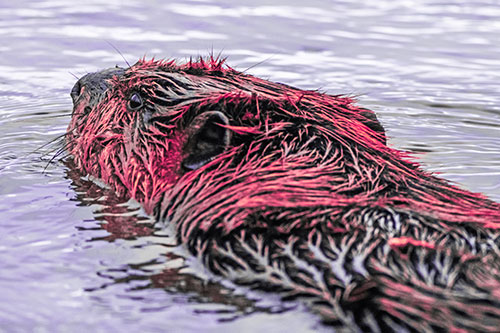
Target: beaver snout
column 94, row 84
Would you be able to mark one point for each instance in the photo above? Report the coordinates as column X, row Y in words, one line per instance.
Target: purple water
column 429, row 68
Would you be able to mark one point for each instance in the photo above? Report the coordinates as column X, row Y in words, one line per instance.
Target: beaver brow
column 168, row 81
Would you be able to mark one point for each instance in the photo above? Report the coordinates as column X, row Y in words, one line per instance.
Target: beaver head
column 290, row 189
column 143, row 128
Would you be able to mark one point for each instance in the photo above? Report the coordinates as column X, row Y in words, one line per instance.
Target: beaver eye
column 135, row 101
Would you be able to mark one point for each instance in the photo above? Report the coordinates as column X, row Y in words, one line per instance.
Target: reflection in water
column 430, row 69
column 124, row 220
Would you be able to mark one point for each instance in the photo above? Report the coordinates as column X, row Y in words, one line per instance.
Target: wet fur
column 307, row 199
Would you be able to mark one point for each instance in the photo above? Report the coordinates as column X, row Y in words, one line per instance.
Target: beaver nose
column 95, row 84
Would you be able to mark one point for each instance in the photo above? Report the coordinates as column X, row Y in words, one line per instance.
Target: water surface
column 73, row 257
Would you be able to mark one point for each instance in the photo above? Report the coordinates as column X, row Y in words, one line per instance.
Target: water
column 74, row 258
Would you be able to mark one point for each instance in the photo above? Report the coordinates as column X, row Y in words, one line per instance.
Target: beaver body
column 292, row 191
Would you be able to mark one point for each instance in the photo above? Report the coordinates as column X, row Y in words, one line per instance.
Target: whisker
column 50, row 151
column 59, row 137
column 259, row 63
column 61, row 150
column 75, row 76
column 61, row 115
column 116, row 49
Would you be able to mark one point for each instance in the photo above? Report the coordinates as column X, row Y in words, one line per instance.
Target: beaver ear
column 207, row 138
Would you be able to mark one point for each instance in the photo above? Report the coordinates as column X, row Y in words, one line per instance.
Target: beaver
column 294, row 192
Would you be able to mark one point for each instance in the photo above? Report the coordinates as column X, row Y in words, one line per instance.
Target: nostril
column 76, row 91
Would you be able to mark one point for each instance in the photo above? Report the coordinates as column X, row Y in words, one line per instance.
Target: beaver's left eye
column 135, row 101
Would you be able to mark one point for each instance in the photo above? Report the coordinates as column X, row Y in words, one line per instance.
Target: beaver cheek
column 168, row 164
